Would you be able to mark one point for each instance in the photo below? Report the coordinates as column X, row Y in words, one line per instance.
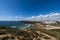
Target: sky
column 12, row 10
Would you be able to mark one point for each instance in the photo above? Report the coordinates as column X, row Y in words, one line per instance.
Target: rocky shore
column 7, row 33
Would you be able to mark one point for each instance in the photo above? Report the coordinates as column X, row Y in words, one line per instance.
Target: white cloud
column 50, row 16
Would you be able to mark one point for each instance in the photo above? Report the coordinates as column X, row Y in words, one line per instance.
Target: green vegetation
column 55, row 32
column 57, row 23
column 19, row 34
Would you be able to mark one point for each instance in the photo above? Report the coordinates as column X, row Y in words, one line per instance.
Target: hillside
column 7, row 33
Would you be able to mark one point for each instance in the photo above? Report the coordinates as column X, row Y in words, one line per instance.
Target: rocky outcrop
column 7, row 33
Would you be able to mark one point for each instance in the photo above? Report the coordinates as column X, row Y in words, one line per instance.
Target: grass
column 55, row 33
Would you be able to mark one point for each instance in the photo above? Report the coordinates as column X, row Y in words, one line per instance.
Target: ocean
column 9, row 23
column 13, row 24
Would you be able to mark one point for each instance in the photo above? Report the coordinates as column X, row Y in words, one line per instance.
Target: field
column 55, row 32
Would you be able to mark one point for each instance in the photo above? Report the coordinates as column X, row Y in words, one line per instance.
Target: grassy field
column 55, row 33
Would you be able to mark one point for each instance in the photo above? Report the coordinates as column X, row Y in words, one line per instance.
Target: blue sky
column 12, row 9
